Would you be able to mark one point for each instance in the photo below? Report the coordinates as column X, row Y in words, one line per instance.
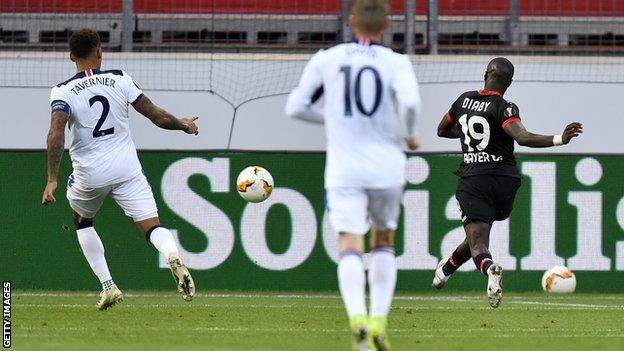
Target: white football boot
column 183, row 279
column 439, row 278
column 109, row 298
column 495, row 285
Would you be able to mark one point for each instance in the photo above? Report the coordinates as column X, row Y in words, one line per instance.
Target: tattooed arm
column 162, row 118
column 56, row 145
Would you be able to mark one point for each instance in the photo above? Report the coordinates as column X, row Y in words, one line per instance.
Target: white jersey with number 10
column 365, row 86
column 102, row 150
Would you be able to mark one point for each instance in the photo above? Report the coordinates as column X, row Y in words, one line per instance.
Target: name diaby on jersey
column 475, row 105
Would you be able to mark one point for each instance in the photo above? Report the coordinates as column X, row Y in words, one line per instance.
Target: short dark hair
column 371, row 14
column 500, row 70
column 84, row 42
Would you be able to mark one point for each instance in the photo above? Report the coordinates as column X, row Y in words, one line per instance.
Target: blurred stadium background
column 232, row 62
column 266, row 273
column 583, row 35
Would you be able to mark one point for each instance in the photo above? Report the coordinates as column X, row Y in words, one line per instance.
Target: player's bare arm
column 164, row 119
column 413, row 142
column 525, row 138
column 448, row 128
column 56, row 143
column 413, row 139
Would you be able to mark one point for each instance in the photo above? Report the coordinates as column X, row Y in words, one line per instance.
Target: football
column 559, row 279
column 254, row 184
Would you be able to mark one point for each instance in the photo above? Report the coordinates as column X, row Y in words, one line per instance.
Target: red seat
column 446, row 7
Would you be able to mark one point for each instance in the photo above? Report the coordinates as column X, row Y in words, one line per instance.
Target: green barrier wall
column 569, row 210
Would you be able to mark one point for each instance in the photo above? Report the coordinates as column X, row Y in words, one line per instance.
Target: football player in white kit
column 371, row 104
column 104, row 158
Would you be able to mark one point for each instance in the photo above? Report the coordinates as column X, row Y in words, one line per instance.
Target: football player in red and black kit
column 487, row 126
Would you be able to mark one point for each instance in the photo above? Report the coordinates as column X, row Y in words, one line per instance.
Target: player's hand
column 48, row 193
column 189, row 125
column 571, row 131
column 413, row 143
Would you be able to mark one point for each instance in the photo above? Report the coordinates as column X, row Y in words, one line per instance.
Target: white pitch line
column 512, row 300
column 396, row 330
column 447, row 332
column 551, row 337
column 259, row 296
column 191, row 306
column 418, row 336
column 553, row 307
column 234, row 295
column 561, row 304
column 195, row 305
column 573, row 297
column 315, row 296
column 250, row 296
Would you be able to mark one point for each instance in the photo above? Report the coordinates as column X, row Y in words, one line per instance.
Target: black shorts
column 486, row 198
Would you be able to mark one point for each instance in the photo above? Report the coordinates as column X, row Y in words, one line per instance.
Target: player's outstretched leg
column 352, row 284
column 382, row 276
column 93, row 250
column 163, row 241
column 478, row 234
column 447, row 267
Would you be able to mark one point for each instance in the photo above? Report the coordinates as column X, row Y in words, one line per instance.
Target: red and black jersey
column 481, row 116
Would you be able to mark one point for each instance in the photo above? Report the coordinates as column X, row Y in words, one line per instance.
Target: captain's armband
column 60, row 105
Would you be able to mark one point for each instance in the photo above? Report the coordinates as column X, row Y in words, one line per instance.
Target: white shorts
column 353, row 210
column 134, row 196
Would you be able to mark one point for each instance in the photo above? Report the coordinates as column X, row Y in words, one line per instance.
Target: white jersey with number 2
column 102, row 150
column 364, row 86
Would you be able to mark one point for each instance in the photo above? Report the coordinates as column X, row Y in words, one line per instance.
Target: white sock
column 381, row 280
column 352, row 283
column 93, row 251
column 163, row 241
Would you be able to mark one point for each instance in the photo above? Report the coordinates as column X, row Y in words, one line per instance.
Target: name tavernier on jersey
column 106, row 81
column 487, row 148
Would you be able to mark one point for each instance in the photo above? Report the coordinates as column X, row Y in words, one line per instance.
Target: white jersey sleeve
column 60, row 101
column 406, row 90
column 299, row 104
column 130, row 88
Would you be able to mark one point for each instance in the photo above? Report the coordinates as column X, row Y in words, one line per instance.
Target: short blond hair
column 371, row 15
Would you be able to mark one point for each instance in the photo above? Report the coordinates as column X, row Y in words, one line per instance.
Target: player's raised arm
column 525, row 138
column 162, row 118
column 309, row 90
column 56, row 144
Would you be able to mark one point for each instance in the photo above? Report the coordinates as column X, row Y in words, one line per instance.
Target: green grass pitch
column 273, row 321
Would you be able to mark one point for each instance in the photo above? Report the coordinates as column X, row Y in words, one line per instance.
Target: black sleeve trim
column 317, row 94
column 137, row 99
